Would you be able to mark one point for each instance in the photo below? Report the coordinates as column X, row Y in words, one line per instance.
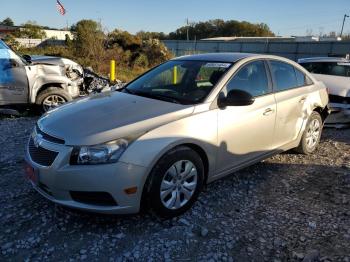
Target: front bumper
column 340, row 114
column 56, row 182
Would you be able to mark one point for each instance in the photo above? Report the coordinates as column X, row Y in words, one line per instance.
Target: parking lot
column 289, row 207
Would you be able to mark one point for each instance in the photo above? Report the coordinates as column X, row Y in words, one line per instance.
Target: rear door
column 246, row 132
column 13, row 78
column 291, row 87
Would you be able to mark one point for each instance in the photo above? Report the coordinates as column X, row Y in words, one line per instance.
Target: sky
column 284, row 17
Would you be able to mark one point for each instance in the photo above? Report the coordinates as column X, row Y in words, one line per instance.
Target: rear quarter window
column 328, row 68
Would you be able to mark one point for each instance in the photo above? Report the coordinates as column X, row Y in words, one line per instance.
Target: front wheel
column 175, row 182
column 312, row 134
column 52, row 97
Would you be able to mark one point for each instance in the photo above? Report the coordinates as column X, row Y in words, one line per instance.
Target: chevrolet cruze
column 185, row 123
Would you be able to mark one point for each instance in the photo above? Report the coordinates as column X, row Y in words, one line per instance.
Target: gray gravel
column 288, row 208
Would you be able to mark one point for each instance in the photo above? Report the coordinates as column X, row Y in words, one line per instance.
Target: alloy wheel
column 179, row 184
column 53, row 101
column 313, row 133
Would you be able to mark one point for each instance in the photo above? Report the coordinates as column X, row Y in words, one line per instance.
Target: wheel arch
column 44, row 87
column 195, row 147
column 324, row 112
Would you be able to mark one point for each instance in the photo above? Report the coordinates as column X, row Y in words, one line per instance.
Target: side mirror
column 235, row 97
column 27, row 58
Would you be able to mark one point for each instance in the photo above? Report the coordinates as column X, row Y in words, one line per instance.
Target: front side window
column 185, row 82
column 251, row 78
column 284, row 75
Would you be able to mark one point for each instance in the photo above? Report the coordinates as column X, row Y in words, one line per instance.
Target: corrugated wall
column 291, row 50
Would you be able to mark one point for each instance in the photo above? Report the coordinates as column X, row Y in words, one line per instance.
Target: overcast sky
column 285, row 17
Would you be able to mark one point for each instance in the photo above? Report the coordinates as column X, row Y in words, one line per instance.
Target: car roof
column 322, row 59
column 217, row 57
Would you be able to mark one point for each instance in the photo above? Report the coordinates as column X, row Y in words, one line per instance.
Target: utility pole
column 188, row 36
column 342, row 27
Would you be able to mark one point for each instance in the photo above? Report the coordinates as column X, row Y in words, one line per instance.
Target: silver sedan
column 166, row 134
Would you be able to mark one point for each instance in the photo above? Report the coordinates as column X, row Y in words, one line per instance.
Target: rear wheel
column 52, row 97
column 312, row 134
column 175, row 182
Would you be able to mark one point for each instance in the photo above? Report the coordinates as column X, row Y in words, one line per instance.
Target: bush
column 141, row 61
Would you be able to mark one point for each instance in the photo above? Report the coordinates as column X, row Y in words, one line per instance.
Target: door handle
column 302, row 100
column 268, row 111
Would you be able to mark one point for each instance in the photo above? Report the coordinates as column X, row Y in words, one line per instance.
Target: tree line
column 196, row 30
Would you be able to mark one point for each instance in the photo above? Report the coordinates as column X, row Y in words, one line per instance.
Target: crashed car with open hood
column 334, row 72
column 42, row 80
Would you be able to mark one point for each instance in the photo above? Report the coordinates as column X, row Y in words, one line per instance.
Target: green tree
column 124, row 39
column 144, row 35
column 31, row 30
column 219, row 27
column 89, row 42
column 7, row 21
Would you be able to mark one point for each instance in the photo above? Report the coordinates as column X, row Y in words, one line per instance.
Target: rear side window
column 328, row 68
column 284, row 76
column 302, row 79
column 251, row 78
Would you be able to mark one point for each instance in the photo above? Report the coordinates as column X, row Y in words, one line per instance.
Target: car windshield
column 7, row 49
column 179, row 81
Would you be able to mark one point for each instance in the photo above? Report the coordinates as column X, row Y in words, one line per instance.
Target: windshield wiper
column 156, row 96
column 128, row 90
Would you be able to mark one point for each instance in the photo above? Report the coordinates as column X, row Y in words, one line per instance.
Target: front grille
column 41, row 155
column 48, row 137
column 339, row 99
column 93, row 198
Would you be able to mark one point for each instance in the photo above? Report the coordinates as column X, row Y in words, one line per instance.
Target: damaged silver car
column 334, row 72
column 45, row 81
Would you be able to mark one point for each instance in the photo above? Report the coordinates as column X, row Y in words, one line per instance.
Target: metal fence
column 291, row 50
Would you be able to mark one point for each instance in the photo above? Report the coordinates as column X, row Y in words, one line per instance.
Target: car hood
column 109, row 116
column 53, row 60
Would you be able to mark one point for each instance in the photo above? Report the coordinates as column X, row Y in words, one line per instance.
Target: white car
column 42, row 80
column 334, row 72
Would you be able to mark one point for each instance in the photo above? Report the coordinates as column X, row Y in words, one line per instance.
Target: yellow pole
column 112, row 72
column 175, row 75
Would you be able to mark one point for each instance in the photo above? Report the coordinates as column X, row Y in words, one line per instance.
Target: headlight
column 99, row 154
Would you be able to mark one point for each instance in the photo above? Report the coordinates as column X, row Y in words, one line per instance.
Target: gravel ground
column 288, row 208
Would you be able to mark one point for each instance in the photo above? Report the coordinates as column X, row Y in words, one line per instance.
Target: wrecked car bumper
column 340, row 114
column 93, row 188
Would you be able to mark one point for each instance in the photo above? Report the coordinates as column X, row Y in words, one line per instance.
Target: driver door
column 13, row 79
column 246, row 133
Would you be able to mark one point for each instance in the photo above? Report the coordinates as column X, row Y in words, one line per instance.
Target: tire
column 164, row 173
column 312, row 134
column 57, row 95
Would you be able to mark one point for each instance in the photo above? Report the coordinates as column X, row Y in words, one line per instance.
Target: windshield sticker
column 220, row 65
column 343, row 64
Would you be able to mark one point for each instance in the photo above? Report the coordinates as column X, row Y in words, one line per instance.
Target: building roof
column 249, row 38
column 323, row 59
